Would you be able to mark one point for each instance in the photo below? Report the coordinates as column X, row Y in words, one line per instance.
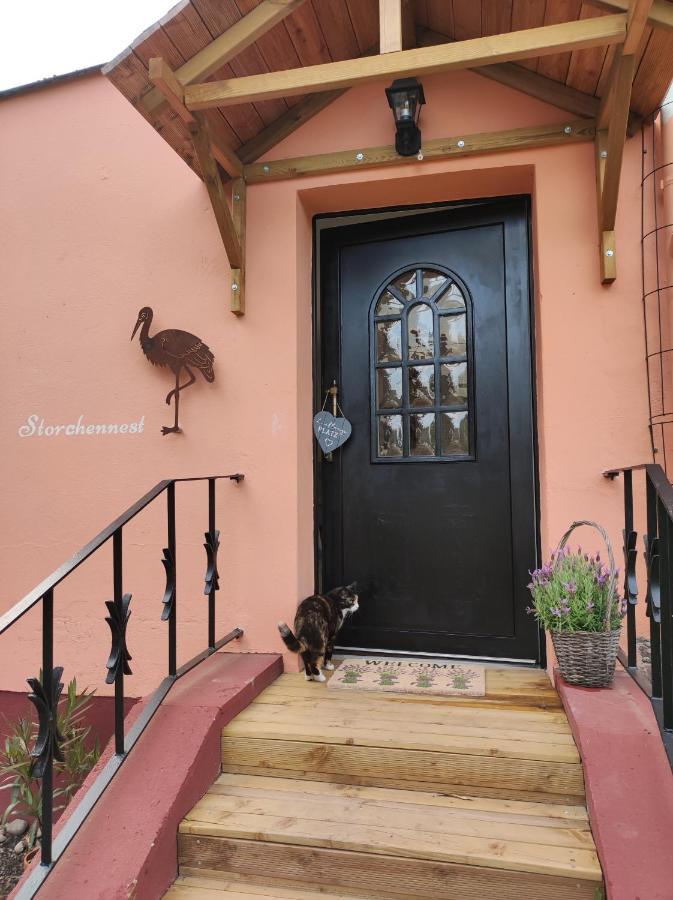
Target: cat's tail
column 289, row 639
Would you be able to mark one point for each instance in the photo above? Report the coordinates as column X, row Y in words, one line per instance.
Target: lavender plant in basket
column 575, row 599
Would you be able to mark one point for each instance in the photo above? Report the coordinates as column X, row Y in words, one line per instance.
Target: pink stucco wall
column 100, row 217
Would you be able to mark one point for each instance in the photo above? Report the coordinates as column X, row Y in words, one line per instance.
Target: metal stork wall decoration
column 177, row 350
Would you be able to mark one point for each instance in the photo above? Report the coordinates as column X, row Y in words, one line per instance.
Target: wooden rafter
column 279, row 129
column 436, row 149
column 613, row 119
column 543, row 41
column 164, row 80
column 163, row 77
column 225, row 47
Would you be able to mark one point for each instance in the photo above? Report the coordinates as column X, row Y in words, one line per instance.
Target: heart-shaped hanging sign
column 330, row 432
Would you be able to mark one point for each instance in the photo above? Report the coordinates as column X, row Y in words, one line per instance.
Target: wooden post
column 613, row 117
column 396, row 25
column 238, row 205
column 607, row 259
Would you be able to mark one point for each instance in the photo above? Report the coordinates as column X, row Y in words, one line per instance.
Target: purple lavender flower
column 530, row 610
column 555, row 612
column 590, row 605
column 570, row 587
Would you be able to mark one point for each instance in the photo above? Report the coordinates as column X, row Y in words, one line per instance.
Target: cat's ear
column 353, row 587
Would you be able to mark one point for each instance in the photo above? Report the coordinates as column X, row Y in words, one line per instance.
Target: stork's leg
column 180, row 387
column 176, row 392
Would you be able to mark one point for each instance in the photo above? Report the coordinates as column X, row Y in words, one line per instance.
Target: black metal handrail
column 45, row 693
column 658, row 554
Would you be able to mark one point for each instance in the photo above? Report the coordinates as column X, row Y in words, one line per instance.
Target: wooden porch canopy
column 223, row 81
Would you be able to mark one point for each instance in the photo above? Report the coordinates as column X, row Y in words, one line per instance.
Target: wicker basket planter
column 588, row 658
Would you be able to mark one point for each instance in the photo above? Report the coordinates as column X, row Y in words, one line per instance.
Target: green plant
column 571, row 593
column 352, row 674
column 16, row 763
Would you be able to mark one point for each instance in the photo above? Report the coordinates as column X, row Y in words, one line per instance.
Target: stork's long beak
column 135, row 329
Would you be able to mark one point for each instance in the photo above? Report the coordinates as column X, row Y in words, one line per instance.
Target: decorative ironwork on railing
column 46, row 691
column 658, row 556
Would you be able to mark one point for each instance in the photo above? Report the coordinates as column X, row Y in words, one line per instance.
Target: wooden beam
column 287, row 123
column 530, row 82
column 613, row 120
column 396, row 25
column 660, row 15
column 164, row 78
column 636, row 22
column 390, row 26
column 229, row 44
column 482, row 51
column 219, row 143
column 436, row 149
column 606, row 243
column 200, row 132
column 616, row 136
column 608, row 257
column 238, row 205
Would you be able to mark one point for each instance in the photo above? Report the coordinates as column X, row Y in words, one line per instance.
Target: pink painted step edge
column 629, row 786
column 128, row 845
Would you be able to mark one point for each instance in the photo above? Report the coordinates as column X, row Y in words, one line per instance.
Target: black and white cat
column 316, row 626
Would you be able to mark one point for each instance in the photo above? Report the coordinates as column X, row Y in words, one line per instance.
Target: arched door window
column 421, row 336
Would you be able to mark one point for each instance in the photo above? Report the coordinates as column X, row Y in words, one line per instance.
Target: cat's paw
column 308, row 677
column 329, row 666
column 319, row 677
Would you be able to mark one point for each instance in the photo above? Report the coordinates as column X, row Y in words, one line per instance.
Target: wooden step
column 297, row 729
column 196, row 887
column 390, row 842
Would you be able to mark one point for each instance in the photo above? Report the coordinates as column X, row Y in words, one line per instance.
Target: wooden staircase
column 336, row 794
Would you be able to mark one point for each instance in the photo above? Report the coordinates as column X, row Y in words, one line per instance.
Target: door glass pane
column 420, row 328
column 422, row 385
column 388, row 341
column 388, row 305
column 422, row 434
column 406, row 285
column 452, row 335
column 452, row 299
column 453, row 384
column 455, row 438
column 389, row 388
column 420, row 376
column 432, row 281
column 390, row 436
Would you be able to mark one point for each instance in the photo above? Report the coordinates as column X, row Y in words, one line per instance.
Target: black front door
column 424, row 323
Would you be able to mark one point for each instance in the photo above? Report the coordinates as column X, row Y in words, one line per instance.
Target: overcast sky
column 51, row 37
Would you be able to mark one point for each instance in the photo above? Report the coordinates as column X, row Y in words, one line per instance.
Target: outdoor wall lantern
column 405, row 98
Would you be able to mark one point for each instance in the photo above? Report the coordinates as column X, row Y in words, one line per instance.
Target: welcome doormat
column 410, row 677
